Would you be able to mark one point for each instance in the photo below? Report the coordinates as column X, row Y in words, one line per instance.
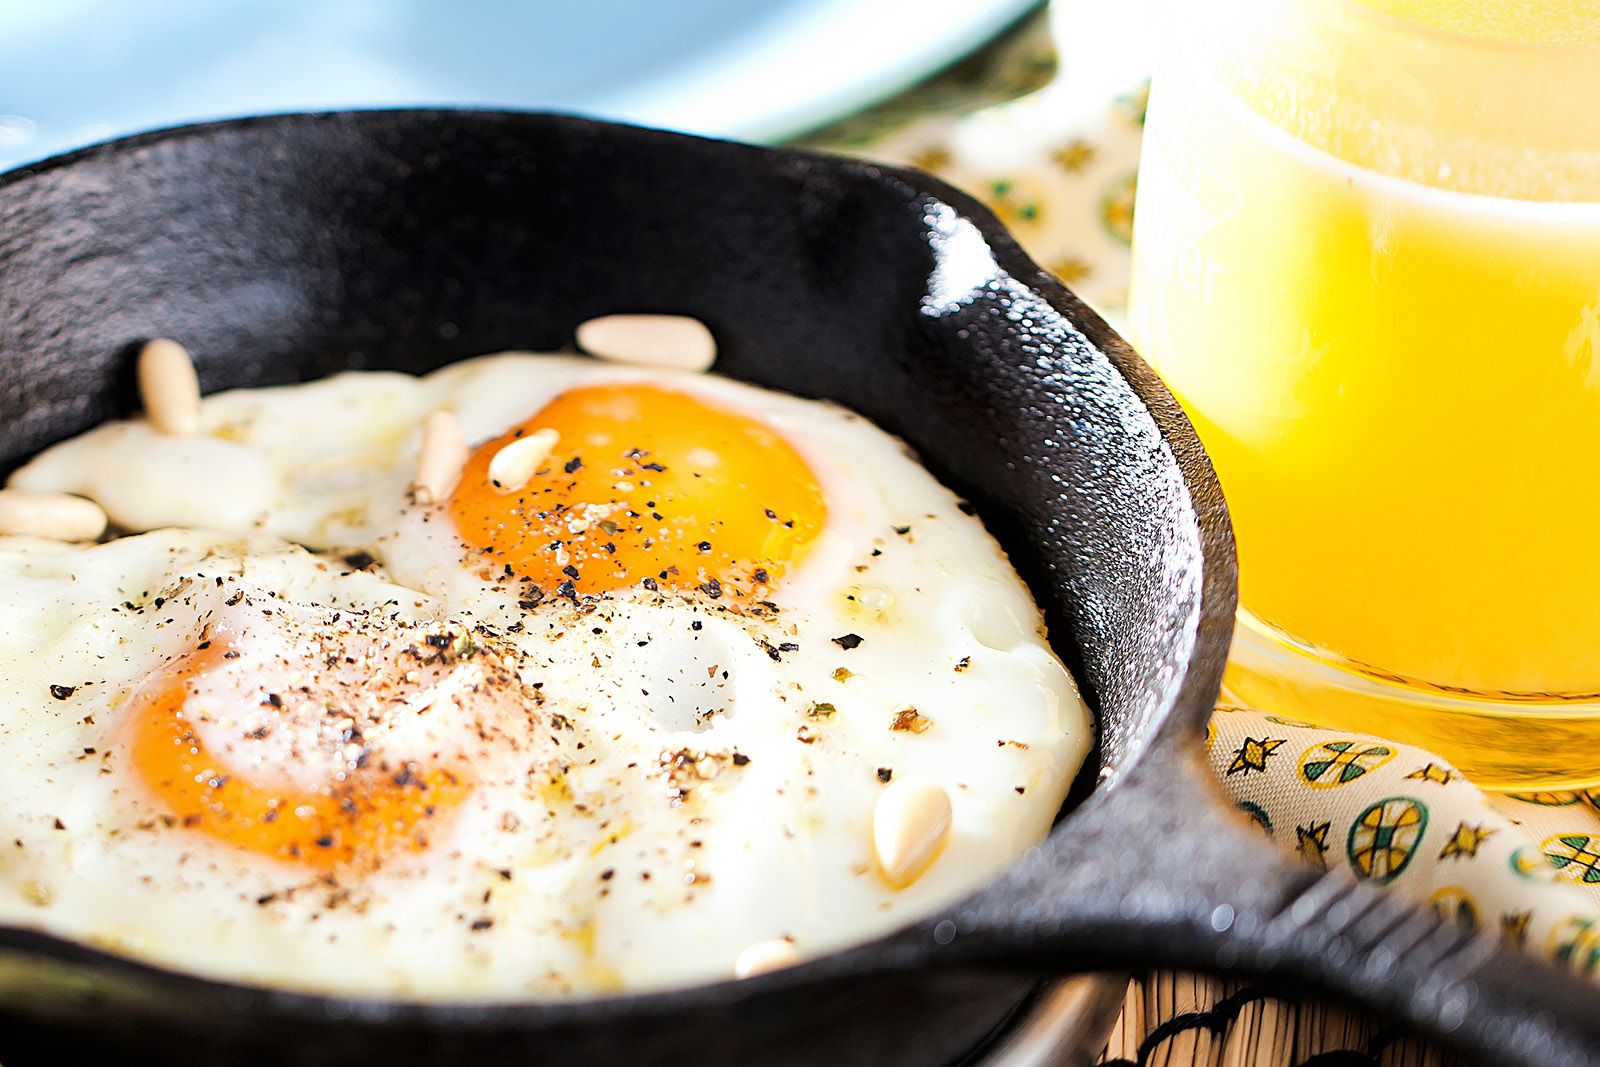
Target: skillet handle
column 1155, row 872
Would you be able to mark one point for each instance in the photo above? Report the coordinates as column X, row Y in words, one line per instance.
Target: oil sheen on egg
column 603, row 730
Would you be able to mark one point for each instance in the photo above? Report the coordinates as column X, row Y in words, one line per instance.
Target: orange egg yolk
column 646, row 486
column 375, row 811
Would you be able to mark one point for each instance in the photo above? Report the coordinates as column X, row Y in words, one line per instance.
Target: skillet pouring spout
column 286, row 248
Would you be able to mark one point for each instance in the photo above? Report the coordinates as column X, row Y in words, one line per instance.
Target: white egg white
column 677, row 781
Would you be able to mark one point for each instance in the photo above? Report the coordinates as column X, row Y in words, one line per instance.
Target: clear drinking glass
column 1367, row 261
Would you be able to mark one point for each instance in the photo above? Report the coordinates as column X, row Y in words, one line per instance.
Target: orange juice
column 1370, row 270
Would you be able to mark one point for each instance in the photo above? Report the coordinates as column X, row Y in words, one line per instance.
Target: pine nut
column 444, row 453
column 654, row 340
column 765, row 956
column 169, row 389
column 56, row 516
column 513, row 465
column 909, row 825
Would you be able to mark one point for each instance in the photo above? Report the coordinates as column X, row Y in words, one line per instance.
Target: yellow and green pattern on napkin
column 1055, row 157
column 1522, row 867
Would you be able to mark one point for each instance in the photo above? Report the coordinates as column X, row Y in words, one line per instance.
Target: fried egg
column 613, row 727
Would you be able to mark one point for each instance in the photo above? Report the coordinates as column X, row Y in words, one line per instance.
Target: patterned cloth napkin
column 1053, row 149
column 1525, row 866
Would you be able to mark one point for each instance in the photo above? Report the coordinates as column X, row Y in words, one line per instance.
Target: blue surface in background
column 75, row 71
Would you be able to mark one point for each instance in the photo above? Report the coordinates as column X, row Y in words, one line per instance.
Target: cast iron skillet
column 286, row 248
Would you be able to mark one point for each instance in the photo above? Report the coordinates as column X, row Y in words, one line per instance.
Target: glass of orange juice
column 1367, row 262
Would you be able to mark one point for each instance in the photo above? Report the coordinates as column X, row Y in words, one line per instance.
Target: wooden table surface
column 1186, row 1020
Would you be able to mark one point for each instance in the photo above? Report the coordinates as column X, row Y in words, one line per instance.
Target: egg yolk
column 374, row 811
column 645, row 486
